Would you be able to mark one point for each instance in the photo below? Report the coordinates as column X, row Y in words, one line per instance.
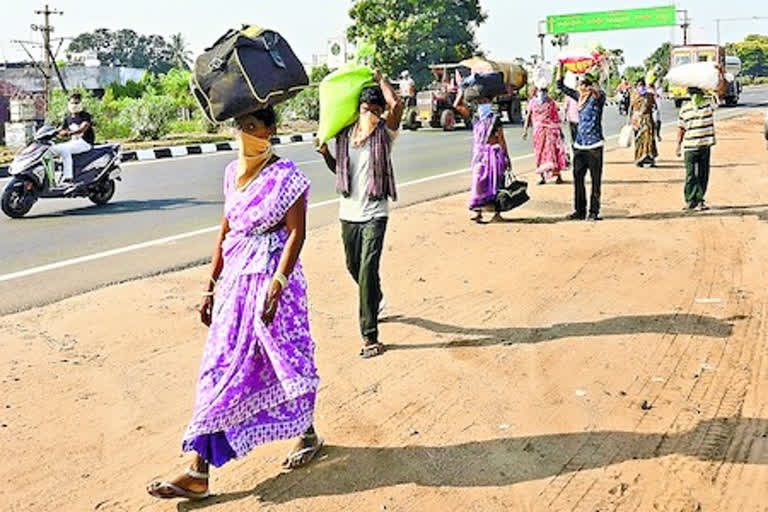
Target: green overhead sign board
column 612, row 20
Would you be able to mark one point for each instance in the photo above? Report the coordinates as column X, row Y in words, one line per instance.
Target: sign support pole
column 685, row 25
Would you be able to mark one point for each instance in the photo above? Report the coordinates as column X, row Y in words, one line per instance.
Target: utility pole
column 542, row 37
column 685, row 25
column 48, row 65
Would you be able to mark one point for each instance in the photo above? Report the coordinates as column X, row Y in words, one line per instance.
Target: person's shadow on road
column 502, row 462
column 128, row 206
column 674, row 323
column 757, row 210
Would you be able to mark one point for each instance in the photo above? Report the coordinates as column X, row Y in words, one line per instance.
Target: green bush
column 191, row 126
column 149, row 116
column 305, row 105
column 104, row 113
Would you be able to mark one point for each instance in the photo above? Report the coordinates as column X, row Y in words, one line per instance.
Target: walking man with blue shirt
column 588, row 146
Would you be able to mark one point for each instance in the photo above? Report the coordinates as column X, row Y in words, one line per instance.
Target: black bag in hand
column 512, row 195
column 244, row 71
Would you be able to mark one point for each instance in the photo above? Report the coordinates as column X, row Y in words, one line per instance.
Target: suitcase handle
column 270, row 43
column 229, row 34
column 219, row 62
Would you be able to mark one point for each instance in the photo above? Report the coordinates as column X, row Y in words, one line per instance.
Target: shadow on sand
column 496, row 462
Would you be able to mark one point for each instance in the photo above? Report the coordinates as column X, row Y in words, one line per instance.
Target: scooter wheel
column 103, row 192
column 18, row 198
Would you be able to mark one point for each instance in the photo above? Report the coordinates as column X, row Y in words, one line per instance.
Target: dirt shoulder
column 534, row 365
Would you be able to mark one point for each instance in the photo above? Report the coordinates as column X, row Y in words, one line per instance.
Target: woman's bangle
column 280, row 278
column 208, row 294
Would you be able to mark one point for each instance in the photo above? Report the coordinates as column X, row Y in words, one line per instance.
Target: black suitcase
column 244, row 71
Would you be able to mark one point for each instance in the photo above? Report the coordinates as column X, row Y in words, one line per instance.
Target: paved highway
column 161, row 215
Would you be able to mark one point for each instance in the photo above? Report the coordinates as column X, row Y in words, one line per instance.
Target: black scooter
column 624, row 103
column 37, row 173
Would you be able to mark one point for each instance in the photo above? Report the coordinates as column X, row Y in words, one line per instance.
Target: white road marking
column 169, row 239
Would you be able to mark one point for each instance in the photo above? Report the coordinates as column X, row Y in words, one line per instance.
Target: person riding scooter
column 79, row 127
column 624, row 96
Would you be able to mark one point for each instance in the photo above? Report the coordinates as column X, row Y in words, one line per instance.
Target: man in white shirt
column 365, row 180
column 407, row 89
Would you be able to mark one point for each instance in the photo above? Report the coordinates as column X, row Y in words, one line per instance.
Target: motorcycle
column 623, row 103
column 37, row 173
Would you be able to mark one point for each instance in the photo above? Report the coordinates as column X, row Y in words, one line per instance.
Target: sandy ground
column 533, row 365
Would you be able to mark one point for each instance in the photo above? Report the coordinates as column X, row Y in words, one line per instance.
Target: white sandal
column 302, row 457
column 178, row 492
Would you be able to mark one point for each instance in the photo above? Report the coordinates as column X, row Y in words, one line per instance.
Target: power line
column 48, row 64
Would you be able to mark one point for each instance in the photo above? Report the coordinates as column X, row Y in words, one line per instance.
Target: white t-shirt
column 358, row 207
column 407, row 87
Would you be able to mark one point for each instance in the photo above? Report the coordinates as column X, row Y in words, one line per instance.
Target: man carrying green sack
column 696, row 136
column 365, row 180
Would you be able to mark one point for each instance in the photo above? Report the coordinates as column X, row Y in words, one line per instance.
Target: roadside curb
column 141, row 155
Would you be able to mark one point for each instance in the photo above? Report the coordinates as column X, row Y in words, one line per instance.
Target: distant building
column 23, row 80
column 338, row 51
column 91, row 78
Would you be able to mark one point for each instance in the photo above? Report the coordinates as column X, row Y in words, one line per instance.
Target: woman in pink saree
column 548, row 145
column 257, row 380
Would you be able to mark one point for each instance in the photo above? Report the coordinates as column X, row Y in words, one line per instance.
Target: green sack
column 339, row 99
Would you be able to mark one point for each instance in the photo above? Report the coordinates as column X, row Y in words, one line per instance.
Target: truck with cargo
column 434, row 105
column 729, row 91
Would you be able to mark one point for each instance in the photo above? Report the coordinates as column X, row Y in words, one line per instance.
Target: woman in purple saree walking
column 257, row 380
column 490, row 158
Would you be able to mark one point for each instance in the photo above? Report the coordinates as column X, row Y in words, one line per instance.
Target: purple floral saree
column 257, row 384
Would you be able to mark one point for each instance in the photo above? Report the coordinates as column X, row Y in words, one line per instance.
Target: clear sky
column 509, row 32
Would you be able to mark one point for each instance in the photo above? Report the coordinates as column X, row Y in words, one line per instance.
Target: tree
column 306, row 104
column 753, row 52
column 634, row 73
column 182, row 57
column 126, row 48
column 318, row 73
column 660, row 60
column 412, row 34
column 615, row 61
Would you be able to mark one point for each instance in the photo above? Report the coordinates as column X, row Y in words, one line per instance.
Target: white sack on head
column 571, row 80
column 542, row 76
column 703, row 75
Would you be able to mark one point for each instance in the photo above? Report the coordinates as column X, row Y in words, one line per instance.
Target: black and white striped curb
column 141, row 155
column 202, row 149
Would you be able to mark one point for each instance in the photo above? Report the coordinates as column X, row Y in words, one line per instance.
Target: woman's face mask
column 75, row 107
column 641, row 90
column 484, row 109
